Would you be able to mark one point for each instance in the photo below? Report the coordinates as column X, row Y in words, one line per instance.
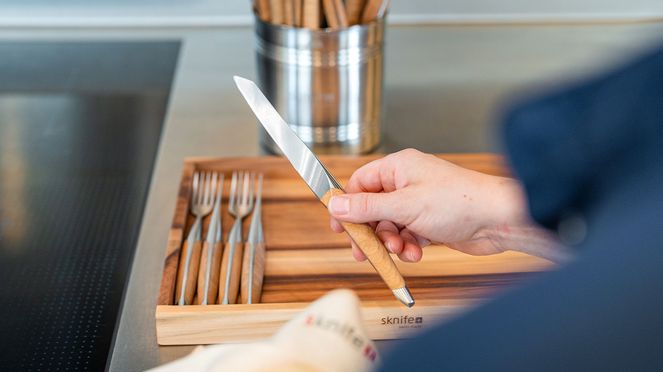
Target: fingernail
column 339, row 205
column 390, row 246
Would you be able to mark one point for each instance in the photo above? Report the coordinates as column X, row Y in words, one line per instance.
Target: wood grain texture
column 437, row 260
column 289, row 12
column 311, row 14
column 262, row 10
column 234, row 265
column 341, row 14
column 354, row 9
column 175, row 237
column 282, row 185
column 370, row 287
column 242, row 323
column 365, row 238
column 329, row 14
column 298, row 12
column 305, row 259
column 334, row 11
column 192, row 273
column 276, row 12
column 259, row 262
column 213, row 286
column 371, row 10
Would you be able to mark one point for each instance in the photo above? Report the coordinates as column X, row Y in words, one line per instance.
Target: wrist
column 507, row 205
column 503, row 209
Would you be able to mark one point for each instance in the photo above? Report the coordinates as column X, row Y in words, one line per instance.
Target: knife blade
column 323, row 185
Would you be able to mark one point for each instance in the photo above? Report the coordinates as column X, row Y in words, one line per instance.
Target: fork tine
column 252, row 189
column 245, row 189
column 233, row 191
column 212, row 190
column 201, row 187
column 219, row 184
column 208, row 188
column 242, row 189
column 194, row 187
column 203, row 190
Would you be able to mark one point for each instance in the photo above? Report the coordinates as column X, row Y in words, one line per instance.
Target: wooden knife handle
column 354, row 8
column 364, row 237
column 311, row 14
column 213, row 284
column 298, row 13
column 371, row 10
column 289, row 12
column 262, row 9
column 191, row 274
column 276, row 11
column 234, row 251
column 335, row 14
column 258, row 273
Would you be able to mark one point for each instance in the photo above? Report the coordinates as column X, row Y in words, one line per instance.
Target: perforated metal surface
column 75, row 164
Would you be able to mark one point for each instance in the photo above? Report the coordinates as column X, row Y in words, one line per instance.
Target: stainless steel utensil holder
column 327, row 84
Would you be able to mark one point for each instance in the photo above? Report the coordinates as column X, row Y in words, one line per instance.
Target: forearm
column 531, row 240
column 512, row 229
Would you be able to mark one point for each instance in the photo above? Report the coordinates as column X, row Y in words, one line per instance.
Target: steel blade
column 300, row 156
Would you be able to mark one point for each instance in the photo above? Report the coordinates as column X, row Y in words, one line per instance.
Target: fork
column 202, row 201
column 253, row 266
column 210, row 256
column 239, row 206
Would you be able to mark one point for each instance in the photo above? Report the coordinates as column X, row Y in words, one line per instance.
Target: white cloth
column 326, row 336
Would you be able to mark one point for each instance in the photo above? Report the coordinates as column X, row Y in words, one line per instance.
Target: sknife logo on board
column 403, row 321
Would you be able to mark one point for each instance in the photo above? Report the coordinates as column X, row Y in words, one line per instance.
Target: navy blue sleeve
column 595, row 150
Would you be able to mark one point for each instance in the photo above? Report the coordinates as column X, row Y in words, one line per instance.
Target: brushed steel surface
column 326, row 84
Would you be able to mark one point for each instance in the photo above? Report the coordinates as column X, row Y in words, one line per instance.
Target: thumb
column 367, row 207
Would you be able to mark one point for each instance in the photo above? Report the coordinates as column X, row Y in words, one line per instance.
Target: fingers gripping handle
column 369, row 243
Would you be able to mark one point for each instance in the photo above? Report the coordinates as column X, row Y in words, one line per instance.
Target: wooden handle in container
column 233, row 250
column 289, row 12
column 311, row 14
column 371, row 10
column 262, row 10
column 369, row 243
column 191, row 275
column 276, row 11
column 213, row 284
column 298, row 13
column 335, row 13
column 353, row 9
column 258, row 273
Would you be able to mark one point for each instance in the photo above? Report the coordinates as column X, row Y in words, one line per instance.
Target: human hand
column 413, row 199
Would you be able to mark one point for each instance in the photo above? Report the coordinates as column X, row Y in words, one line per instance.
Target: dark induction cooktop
column 79, row 128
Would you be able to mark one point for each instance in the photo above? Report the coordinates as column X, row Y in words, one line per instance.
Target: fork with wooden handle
column 202, row 201
column 239, row 205
column 253, row 265
column 210, row 256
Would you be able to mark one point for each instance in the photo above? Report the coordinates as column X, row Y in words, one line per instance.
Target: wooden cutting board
column 305, row 259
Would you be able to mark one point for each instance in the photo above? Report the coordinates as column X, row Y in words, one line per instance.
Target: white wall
column 194, row 13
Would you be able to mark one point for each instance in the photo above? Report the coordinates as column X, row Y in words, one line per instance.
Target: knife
column 323, row 185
